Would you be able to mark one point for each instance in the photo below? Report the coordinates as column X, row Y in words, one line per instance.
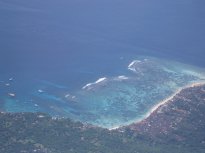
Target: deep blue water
column 71, row 43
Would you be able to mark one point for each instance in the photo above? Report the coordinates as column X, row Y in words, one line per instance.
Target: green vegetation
column 36, row 132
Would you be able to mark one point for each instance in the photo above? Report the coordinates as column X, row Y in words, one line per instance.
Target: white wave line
column 96, row 82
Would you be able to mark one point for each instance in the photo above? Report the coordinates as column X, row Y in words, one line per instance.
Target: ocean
column 51, row 49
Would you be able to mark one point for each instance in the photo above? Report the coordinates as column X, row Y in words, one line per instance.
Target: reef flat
column 108, row 101
column 177, row 126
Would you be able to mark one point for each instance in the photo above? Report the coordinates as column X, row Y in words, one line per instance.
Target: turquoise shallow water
column 108, row 101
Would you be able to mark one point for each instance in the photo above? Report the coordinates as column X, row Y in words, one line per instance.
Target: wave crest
column 91, row 85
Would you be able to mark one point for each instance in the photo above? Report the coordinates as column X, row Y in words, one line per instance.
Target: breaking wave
column 110, row 101
column 91, row 85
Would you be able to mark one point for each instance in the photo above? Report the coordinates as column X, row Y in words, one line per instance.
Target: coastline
column 163, row 102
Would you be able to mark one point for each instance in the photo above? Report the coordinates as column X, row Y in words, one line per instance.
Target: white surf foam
column 100, row 80
column 132, row 65
column 87, row 85
column 121, row 78
column 70, row 97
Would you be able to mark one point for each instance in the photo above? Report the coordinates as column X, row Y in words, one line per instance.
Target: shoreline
column 162, row 102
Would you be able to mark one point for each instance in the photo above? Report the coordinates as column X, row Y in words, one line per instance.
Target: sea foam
column 132, row 65
column 89, row 85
